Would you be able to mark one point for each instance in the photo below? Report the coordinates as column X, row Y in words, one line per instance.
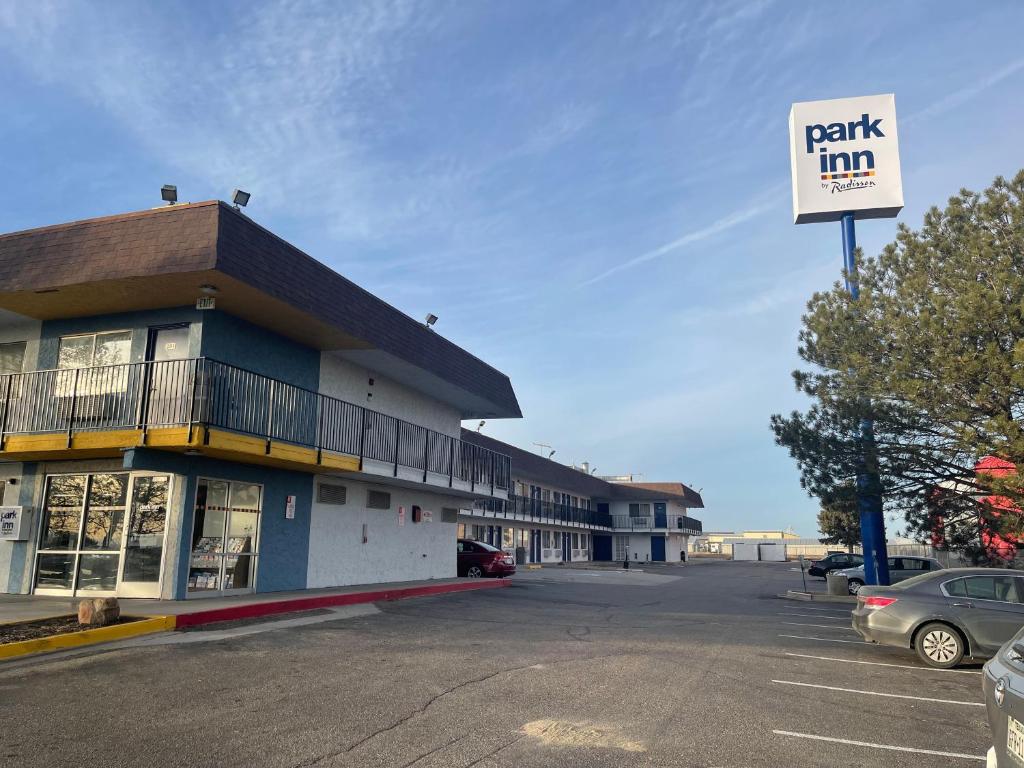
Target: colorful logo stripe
column 847, row 175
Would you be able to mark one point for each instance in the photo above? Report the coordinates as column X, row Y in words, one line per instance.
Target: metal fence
column 680, row 523
column 208, row 392
column 538, row 511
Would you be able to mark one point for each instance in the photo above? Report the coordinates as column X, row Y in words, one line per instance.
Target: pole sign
column 845, row 158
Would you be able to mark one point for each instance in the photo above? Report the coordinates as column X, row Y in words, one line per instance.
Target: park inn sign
column 845, row 157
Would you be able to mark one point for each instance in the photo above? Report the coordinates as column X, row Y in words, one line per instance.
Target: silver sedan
column 944, row 615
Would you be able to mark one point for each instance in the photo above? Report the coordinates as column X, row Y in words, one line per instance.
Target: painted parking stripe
column 819, row 626
column 829, row 640
column 877, row 693
column 889, row 747
column 883, row 664
column 818, row 616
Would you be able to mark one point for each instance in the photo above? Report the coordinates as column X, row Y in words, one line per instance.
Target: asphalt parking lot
column 700, row 665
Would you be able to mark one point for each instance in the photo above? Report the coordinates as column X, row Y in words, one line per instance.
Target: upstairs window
column 639, row 510
column 12, row 357
column 94, row 349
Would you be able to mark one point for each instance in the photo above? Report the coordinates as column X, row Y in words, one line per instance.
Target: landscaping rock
column 98, row 611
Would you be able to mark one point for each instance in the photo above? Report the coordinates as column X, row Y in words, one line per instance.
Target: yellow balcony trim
column 339, row 461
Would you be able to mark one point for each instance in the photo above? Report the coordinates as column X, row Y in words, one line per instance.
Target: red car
column 477, row 559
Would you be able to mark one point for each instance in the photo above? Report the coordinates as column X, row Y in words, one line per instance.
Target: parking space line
column 820, row 626
column 890, row 747
column 829, row 640
column 877, row 693
column 883, row 664
column 817, row 616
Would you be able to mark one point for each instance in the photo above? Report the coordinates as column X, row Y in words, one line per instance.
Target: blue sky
column 593, row 197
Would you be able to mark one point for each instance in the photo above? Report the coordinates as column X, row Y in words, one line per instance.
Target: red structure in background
column 1002, row 547
column 997, row 547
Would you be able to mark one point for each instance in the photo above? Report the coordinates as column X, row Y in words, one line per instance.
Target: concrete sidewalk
column 207, row 610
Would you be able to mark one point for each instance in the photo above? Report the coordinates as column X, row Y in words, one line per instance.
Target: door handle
column 963, row 605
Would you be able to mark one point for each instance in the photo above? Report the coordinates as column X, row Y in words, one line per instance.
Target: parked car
column 900, row 568
column 833, row 562
column 476, row 559
column 1003, row 683
column 944, row 615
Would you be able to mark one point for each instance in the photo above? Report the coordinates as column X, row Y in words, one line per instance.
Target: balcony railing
column 206, row 392
column 674, row 523
column 537, row 511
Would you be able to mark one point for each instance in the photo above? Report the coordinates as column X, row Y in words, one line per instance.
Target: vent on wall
column 331, row 494
column 378, row 500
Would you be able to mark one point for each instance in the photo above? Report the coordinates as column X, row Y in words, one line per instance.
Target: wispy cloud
column 955, row 99
column 763, row 203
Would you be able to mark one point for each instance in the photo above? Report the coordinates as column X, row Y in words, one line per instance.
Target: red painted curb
column 255, row 610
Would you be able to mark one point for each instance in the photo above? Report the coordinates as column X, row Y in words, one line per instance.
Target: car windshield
column 488, row 547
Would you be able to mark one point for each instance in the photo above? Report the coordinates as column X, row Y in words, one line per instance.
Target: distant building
column 559, row 514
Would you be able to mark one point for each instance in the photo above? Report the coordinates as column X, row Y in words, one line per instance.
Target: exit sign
column 206, row 302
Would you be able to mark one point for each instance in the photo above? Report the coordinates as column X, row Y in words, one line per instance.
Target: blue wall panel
column 283, row 544
column 233, row 340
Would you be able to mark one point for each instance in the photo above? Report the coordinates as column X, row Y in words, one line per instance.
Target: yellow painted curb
column 88, row 637
column 534, row 567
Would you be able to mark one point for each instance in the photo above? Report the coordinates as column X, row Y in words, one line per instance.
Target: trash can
column 837, row 584
column 520, row 555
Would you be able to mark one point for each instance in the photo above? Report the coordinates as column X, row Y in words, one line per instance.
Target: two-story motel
column 557, row 514
column 191, row 406
column 300, row 433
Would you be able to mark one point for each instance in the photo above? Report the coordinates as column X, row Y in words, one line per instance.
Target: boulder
column 98, row 611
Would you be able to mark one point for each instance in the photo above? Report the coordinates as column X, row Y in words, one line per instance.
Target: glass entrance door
column 225, row 537
column 83, row 544
column 144, row 540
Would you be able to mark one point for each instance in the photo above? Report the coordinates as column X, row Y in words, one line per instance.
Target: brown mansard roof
column 160, row 258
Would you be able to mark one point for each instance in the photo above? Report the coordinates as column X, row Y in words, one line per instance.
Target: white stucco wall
column 415, row 551
column 348, row 381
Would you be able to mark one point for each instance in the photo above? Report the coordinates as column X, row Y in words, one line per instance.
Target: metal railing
column 203, row 391
column 538, row 511
column 676, row 523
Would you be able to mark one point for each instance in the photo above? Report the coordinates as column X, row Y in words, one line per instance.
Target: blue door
column 602, row 547
column 660, row 516
column 658, row 549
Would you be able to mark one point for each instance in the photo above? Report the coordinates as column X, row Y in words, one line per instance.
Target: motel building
column 191, row 406
column 559, row 514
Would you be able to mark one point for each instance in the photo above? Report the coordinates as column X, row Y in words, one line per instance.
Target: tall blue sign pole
column 845, row 160
column 869, row 498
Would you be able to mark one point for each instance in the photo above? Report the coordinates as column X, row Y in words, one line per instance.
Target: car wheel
column 855, row 585
column 939, row 645
column 474, row 572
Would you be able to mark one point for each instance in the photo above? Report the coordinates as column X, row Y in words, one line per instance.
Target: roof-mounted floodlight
column 240, row 198
column 169, row 194
column 431, row 319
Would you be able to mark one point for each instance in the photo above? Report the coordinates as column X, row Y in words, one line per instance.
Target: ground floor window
column 102, row 533
column 508, row 537
column 461, row 531
column 621, row 547
column 225, row 541
column 583, row 541
column 575, row 541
